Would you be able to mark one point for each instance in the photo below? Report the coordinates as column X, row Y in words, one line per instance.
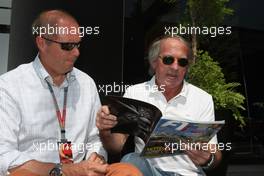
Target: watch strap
column 209, row 163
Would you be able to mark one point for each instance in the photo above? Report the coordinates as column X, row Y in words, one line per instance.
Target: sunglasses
column 67, row 46
column 168, row 60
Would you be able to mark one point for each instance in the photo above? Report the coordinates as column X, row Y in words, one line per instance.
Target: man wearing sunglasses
column 169, row 58
column 48, row 110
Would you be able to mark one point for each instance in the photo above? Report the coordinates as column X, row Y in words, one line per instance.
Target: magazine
column 162, row 136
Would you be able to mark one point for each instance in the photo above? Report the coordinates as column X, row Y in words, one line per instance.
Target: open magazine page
column 134, row 117
column 171, row 137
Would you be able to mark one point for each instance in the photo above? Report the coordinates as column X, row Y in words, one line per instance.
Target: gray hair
column 154, row 49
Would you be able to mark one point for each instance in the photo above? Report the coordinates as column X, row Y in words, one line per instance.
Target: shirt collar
column 152, row 84
column 44, row 75
column 184, row 90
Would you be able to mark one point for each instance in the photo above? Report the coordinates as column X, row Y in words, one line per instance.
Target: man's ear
column 40, row 42
column 154, row 64
column 152, row 68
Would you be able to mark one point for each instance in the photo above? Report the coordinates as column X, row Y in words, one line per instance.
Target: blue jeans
column 144, row 166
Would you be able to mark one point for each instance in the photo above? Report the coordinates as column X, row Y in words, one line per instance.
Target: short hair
column 51, row 18
column 154, row 49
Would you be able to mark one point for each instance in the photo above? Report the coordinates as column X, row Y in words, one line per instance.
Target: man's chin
column 69, row 70
column 172, row 83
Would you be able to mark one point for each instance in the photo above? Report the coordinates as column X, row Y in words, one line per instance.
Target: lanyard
column 61, row 116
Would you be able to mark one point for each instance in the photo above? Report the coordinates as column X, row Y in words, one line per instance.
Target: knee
column 123, row 169
column 131, row 158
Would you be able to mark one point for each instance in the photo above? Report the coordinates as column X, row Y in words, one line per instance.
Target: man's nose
column 175, row 65
column 76, row 51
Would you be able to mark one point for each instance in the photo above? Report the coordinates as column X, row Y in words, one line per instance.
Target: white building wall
column 5, row 19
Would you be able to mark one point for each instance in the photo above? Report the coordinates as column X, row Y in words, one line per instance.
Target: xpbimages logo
column 51, row 145
column 121, row 88
column 212, row 31
column 50, row 30
column 185, row 145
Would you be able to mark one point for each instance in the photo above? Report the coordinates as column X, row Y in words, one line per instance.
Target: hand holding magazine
column 161, row 135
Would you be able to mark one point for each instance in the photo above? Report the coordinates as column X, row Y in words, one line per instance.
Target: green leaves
column 207, row 74
column 208, row 12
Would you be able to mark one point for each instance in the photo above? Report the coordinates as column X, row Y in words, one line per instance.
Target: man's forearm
column 82, row 168
column 218, row 158
column 35, row 167
column 112, row 142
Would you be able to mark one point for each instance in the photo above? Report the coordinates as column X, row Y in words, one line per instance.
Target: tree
column 202, row 13
column 207, row 74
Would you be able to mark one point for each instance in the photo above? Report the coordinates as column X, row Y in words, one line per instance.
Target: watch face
column 55, row 172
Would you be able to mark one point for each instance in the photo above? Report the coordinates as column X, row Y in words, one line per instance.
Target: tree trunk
column 194, row 47
column 194, row 37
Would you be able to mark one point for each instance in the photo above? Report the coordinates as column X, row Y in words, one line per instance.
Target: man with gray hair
column 169, row 58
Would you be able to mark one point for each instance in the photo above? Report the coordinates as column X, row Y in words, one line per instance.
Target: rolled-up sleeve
column 9, row 128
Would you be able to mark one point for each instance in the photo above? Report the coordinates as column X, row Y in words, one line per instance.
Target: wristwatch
column 209, row 163
column 56, row 171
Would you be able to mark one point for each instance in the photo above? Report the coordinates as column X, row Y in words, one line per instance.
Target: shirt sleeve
column 128, row 93
column 10, row 156
column 94, row 142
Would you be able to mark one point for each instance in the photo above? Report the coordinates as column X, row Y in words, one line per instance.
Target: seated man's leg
column 141, row 163
column 123, row 169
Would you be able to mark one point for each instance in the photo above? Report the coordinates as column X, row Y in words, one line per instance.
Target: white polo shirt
column 192, row 103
